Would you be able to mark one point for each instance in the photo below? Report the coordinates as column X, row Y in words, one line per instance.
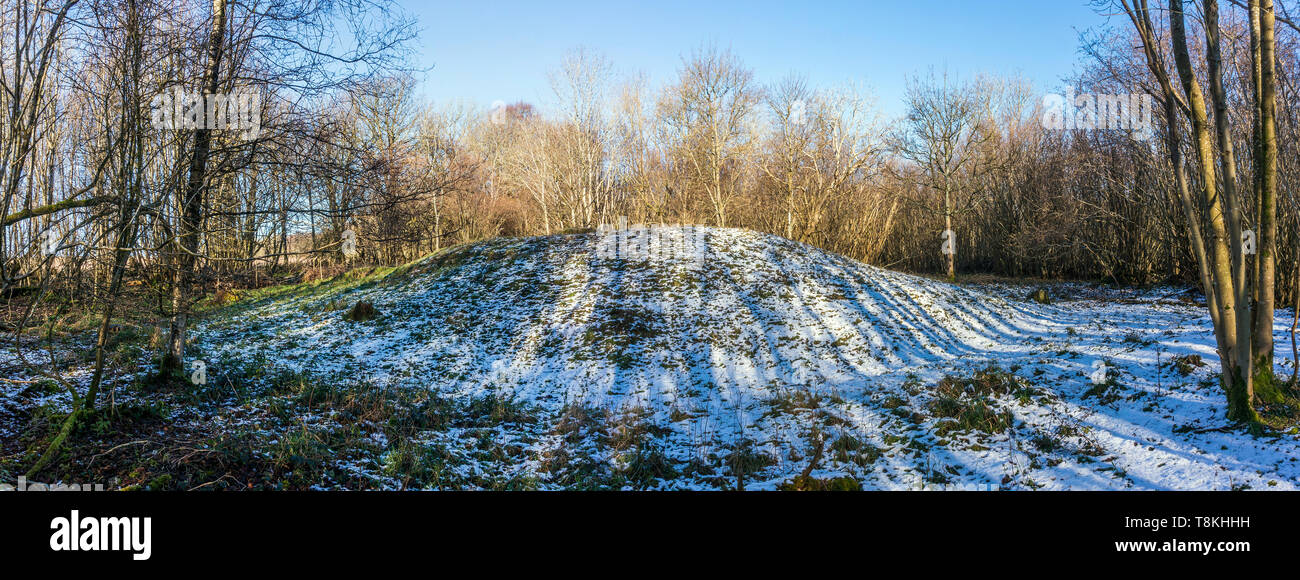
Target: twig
column 115, row 448
column 816, row 458
column 203, row 485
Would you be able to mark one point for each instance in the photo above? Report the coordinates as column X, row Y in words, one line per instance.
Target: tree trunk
column 1228, row 166
column 1266, row 188
column 186, row 248
column 127, row 224
column 951, row 255
column 1234, row 377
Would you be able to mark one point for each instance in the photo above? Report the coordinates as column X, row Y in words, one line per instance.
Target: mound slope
column 729, row 338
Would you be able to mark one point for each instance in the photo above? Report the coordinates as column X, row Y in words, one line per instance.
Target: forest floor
column 669, row 358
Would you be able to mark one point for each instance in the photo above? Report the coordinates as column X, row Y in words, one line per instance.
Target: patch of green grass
column 893, row 402
column 1283, row 415
column 808, row 483
column 1187, row 363
column 990, row 380
column 790, row 401
column 619, row 330
column 1105, row 393
column 968, row 413
column 649, row 464
column 415, row 465
column 744, row 460
column 1138, row 339
column 848, row 449
column 1046, row 443
column 362, row 311
column 491, row 409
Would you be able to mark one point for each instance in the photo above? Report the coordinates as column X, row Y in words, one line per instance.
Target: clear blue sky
column 482, row 51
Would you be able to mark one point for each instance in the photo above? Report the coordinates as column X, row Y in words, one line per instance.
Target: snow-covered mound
column 728, row 338
column 722, row 308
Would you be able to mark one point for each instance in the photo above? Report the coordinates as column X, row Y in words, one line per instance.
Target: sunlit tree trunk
column 1236, row 376
column 1262, row 21
column 1228, row 166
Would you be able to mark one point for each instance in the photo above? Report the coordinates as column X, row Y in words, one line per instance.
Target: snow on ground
column 730, row 340
column 26, row 383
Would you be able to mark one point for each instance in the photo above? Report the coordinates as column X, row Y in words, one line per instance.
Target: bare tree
column 1221, row 259
column 823, row 145
column 945, row 127
column 707, row 122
